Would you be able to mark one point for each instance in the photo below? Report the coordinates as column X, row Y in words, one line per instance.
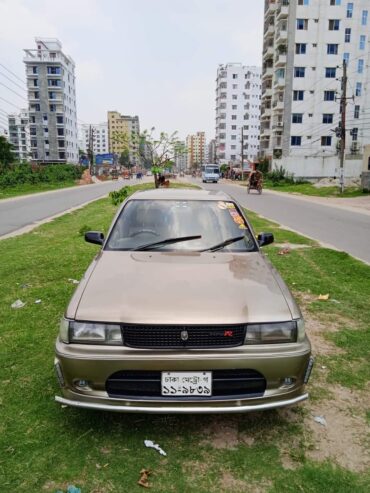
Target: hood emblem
column 184, row 335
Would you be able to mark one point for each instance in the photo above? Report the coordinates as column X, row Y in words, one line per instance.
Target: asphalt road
column 23, row 211
column 345, row 230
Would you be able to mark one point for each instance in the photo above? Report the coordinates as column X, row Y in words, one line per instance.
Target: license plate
column 186, row 383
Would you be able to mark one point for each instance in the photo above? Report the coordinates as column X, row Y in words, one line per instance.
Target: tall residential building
column 99, row 133
column 181, row 159
column 123, row 131
column 19, row 135
column 52, row 102
column 196, row 146
column 305, row 43
column 211, row 155
column 238, row 95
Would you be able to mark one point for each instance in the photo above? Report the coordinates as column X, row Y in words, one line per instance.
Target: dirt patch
column 221, row 435
column 344, row 438
column 229, row 483
column 291, row 246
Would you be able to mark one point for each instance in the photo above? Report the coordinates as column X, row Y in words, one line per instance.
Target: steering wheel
column 144, row 231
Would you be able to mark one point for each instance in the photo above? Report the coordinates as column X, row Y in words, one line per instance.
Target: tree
column 6, row 152
column 159, row 153
column 124, row 159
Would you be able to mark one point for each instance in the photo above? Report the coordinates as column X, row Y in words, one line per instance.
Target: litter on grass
column 323, row 297
column 74, row 281
column 71, row 489
column 284, row 251
column 144, row 478
column 37, row 302
column 320, row 419
column 151, row 444
column 18, row 304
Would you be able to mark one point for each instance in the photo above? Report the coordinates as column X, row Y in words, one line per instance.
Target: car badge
column 184, row 335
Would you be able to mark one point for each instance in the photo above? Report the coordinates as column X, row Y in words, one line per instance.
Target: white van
column 210, row 172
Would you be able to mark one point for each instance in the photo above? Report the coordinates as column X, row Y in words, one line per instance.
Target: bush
column 51, row 173
column 280, row 176
column 119, row 196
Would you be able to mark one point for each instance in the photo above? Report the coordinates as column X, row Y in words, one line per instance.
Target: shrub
column 51, row 173
column 119, row 196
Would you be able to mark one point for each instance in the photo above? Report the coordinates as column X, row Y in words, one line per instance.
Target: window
column 35, row 83
column 37, row 95
column 52, row 107
column 358, row 88
column 34, row 70
column 332, row 49
column 327, row 118
column 60, row 131
column 364, row 17
column 54, row 70
column 362, row 42
column 299, row 71
column 360, row 66
column 303, row 2
column 334, row 24
column 326, row 140
column 300, row 48
column 233, row 147
column 335, row 2
column 233, row 117
column 302, row 24
column 347, row 35
column 54, row 82
column 297, row 117
column 32, row 131
column 233, row 137
column 346, row 58
column 235, row 76
column 330, row 72
column 298, row 95
column 234, row 107
column 349, row 10
column 295, row 140
column 354, row 134
column 329, row 95
column 233, row 127
column 356, row 113
column 33, row 143
column 52, row 95
column 235, row 86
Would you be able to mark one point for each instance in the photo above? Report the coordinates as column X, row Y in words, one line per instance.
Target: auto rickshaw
column 255, row 181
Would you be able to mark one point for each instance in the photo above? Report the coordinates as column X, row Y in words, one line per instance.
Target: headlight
column 273, row 333
column 90, row 333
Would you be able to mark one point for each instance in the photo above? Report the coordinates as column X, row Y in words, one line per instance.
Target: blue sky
column 152, row 58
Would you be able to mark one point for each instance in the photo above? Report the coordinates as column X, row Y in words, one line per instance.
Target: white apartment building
column 19, row 135
column 238, row 100
column 52, row 102
column 181, row 159
column 99, row 135
column 305, row 43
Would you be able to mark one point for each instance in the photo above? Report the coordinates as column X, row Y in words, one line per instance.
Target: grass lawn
column 309, row 189
column 27, row 188
column 44, row 447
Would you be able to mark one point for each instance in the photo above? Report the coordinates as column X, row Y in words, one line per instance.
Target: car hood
column 178, row 288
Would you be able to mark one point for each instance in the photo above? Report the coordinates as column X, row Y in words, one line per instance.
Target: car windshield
column 143, row 222
column 212, row 169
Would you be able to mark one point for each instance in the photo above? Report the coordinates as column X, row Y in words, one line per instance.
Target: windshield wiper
column 219, row 246
column 158, row 244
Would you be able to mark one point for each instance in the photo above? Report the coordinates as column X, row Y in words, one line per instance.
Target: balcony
column 268, row 72
column 278, row 105
column 282, row 36
column 269, row 31
column 280, row 60
column 283, row 12
column 278, row 127
column 267, row 93
column 280, row 83
column 268, row 52
column 271, row 8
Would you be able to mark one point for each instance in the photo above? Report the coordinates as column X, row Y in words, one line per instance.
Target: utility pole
column 343, row 104
column 90, row 151
column 242, row 153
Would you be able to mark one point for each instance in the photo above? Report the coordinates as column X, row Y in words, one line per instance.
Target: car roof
column 180, row 194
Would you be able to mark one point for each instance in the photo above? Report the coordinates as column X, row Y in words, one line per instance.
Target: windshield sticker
column 237, row 218
column 221, row 205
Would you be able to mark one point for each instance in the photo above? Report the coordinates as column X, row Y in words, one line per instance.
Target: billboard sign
column 101, row 159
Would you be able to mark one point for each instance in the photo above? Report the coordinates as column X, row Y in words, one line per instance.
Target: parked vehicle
column 219, row 330
column 210, row 172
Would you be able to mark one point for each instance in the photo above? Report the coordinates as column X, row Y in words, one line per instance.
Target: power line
column 15, row 75
column 14, row 92
column 12, row 81
column 11, row 103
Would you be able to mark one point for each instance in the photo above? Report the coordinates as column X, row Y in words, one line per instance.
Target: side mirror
column 265, row 239
column 95, row 237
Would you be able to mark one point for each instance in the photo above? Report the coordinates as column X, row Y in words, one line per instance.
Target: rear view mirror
column 96, row 237
column 265, row 239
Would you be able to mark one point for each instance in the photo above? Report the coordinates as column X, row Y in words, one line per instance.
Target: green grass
column 44, row 447
column 309, row 189
column 28, row 188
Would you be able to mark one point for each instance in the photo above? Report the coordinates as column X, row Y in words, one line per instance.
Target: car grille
column 177, row 337
column 227, row 384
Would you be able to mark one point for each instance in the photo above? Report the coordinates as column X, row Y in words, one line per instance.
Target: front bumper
column 95, row 364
